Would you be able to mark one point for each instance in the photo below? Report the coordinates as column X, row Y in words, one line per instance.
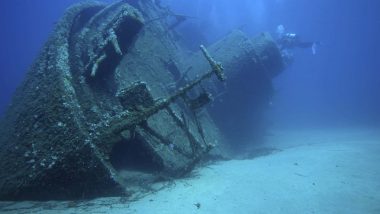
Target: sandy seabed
column 314, row 171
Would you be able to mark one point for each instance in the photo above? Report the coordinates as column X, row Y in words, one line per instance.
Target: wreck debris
column 136, row 97
column 216, row 67
column 95, row 66
column 67, row 136
column 250, row 65
column 117, row 35
column 113, row 39
column 200, row 101
column 63, row 135
column 129, row 119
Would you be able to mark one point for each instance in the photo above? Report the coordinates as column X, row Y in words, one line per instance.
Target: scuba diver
column 292, row 40
column 287, row 41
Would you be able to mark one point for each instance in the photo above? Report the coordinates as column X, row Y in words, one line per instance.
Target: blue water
column 336, row 88
column 339, row 85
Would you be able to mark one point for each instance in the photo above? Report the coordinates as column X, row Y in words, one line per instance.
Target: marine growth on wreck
column 115, row 103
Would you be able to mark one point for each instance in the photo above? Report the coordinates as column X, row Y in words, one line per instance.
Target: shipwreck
column 115, row 103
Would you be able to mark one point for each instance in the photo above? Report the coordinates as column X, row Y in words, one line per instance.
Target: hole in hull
column 134, row 155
